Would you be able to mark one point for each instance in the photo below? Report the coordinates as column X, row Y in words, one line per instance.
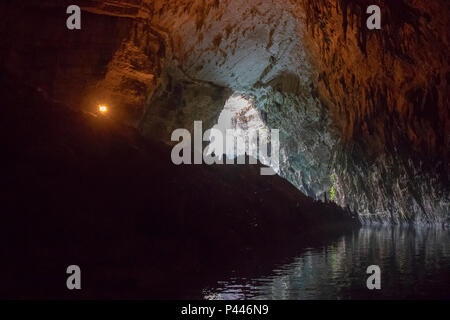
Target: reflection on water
column 414, row 262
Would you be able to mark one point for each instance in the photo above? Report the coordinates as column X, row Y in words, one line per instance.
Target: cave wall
column 115, row 59
column 254, row 48
column 218, row 48
column 160, row 65
column 363, row 113
column 387, row 91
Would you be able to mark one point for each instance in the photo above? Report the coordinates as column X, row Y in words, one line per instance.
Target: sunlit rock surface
column 363, row 113
column 255, row 48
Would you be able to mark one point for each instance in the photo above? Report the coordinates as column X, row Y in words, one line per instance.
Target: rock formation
column 363, row 114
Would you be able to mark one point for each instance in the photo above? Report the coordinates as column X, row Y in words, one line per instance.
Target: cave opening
column 241, row 120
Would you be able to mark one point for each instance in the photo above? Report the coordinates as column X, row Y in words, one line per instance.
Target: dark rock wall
column 115, row 59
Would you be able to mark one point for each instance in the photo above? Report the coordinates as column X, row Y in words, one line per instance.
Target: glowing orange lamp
column 102, row 108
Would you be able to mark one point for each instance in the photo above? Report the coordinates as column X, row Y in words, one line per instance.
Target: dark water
column 414, row 262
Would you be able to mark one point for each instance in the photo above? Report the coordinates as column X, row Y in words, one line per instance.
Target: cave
column 362, row 121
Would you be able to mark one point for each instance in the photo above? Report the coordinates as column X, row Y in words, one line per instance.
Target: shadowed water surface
column 414, row 262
